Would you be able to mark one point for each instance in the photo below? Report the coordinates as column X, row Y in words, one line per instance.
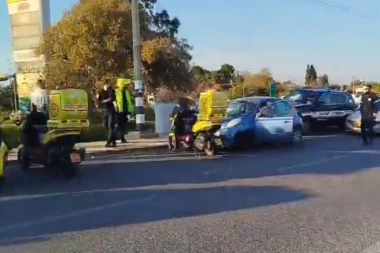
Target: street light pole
column 137, row 68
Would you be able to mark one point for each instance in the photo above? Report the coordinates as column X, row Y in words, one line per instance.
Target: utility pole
column 137, row 68
column 353, row 85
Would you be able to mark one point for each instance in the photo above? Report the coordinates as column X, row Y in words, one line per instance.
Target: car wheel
column 297, row 135
column 210, row 148
column 68, row 168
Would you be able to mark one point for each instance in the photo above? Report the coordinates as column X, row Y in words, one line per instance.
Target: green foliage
column 202, row 76
column 311, row 76
column 225, row 74
column 92, row 44
column 237, row 91
column 325, row 80
column 6, row 98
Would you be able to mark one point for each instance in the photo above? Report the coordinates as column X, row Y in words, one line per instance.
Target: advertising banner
column 27, row 83
column 23, row 6
column 29, row 19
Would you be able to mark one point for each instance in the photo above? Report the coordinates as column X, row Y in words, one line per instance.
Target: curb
column 105, row 153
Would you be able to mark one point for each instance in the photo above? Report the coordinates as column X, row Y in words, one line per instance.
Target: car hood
column 229, row 118
column 303, row 107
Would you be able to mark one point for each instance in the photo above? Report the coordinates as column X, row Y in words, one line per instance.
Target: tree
column 307, row 76
column 313, row 75
column 325, row 80
column 225, row 74
column 199, row 74
column 6, row 98
column 258, row 84
column 93, row 44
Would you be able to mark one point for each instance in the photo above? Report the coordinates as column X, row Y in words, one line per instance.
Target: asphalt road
column 322, row 196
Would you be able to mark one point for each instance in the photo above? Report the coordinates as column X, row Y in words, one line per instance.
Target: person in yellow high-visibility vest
column 125, row 106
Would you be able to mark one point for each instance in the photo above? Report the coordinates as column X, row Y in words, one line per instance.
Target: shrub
column 149, row 114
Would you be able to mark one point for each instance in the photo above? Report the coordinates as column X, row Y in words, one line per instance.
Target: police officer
column 367, row 108
column 125, row 107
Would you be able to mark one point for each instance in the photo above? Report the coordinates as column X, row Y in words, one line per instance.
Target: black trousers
column 366, row 130
column 110, row 122
column 122, row 120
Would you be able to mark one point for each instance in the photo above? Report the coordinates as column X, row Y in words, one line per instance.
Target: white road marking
column 145, row 160
column 317, row 162
column 126, row 155
column 73, row 214
column 375, row 248
column 322, row 136
column 368, row 151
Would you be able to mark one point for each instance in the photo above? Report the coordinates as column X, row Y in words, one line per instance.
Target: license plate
column 75, row 158
column 218, row 142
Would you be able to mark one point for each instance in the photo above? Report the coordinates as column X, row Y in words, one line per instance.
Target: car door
column 342, row 103
column 323, row 108
column 274, row 122
column 285, row 113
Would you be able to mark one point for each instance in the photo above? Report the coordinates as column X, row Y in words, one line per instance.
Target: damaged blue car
column 256, row 120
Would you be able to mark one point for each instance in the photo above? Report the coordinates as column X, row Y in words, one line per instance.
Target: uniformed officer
column 125, row 106
column 367, row 108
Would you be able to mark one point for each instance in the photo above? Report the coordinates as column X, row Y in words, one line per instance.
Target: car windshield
column 240, row 107
column 305, row 97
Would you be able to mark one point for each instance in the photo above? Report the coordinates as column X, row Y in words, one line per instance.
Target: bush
column 12, row 133
column 149, row 114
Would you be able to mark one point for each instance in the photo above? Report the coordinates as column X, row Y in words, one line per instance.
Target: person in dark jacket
column 367, row 108
column 107, row 99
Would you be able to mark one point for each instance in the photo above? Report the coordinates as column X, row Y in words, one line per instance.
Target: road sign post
column 273, row 90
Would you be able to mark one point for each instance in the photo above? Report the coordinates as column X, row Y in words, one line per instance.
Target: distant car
column 353, row 121
column 254, row 120
column 322, row 107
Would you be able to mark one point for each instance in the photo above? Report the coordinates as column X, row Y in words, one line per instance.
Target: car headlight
column 233, row 122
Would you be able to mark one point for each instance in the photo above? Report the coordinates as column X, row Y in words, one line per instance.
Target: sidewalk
column 97, row 148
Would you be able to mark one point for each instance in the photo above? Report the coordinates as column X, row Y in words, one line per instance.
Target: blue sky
column 282, row 35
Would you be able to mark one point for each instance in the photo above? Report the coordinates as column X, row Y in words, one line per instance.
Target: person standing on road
column 125, row 106
column 367, row 109
column 107, row 99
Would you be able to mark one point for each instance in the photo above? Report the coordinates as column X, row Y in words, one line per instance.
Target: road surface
column 322, row 196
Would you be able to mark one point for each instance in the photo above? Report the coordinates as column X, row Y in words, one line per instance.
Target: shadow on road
column 27, row 219
column 142, row 170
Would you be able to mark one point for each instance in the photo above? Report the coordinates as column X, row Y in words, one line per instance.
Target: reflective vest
column 119, row 101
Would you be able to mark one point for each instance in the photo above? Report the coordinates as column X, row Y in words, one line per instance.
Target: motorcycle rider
column 30, row 130
column 183, row 116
